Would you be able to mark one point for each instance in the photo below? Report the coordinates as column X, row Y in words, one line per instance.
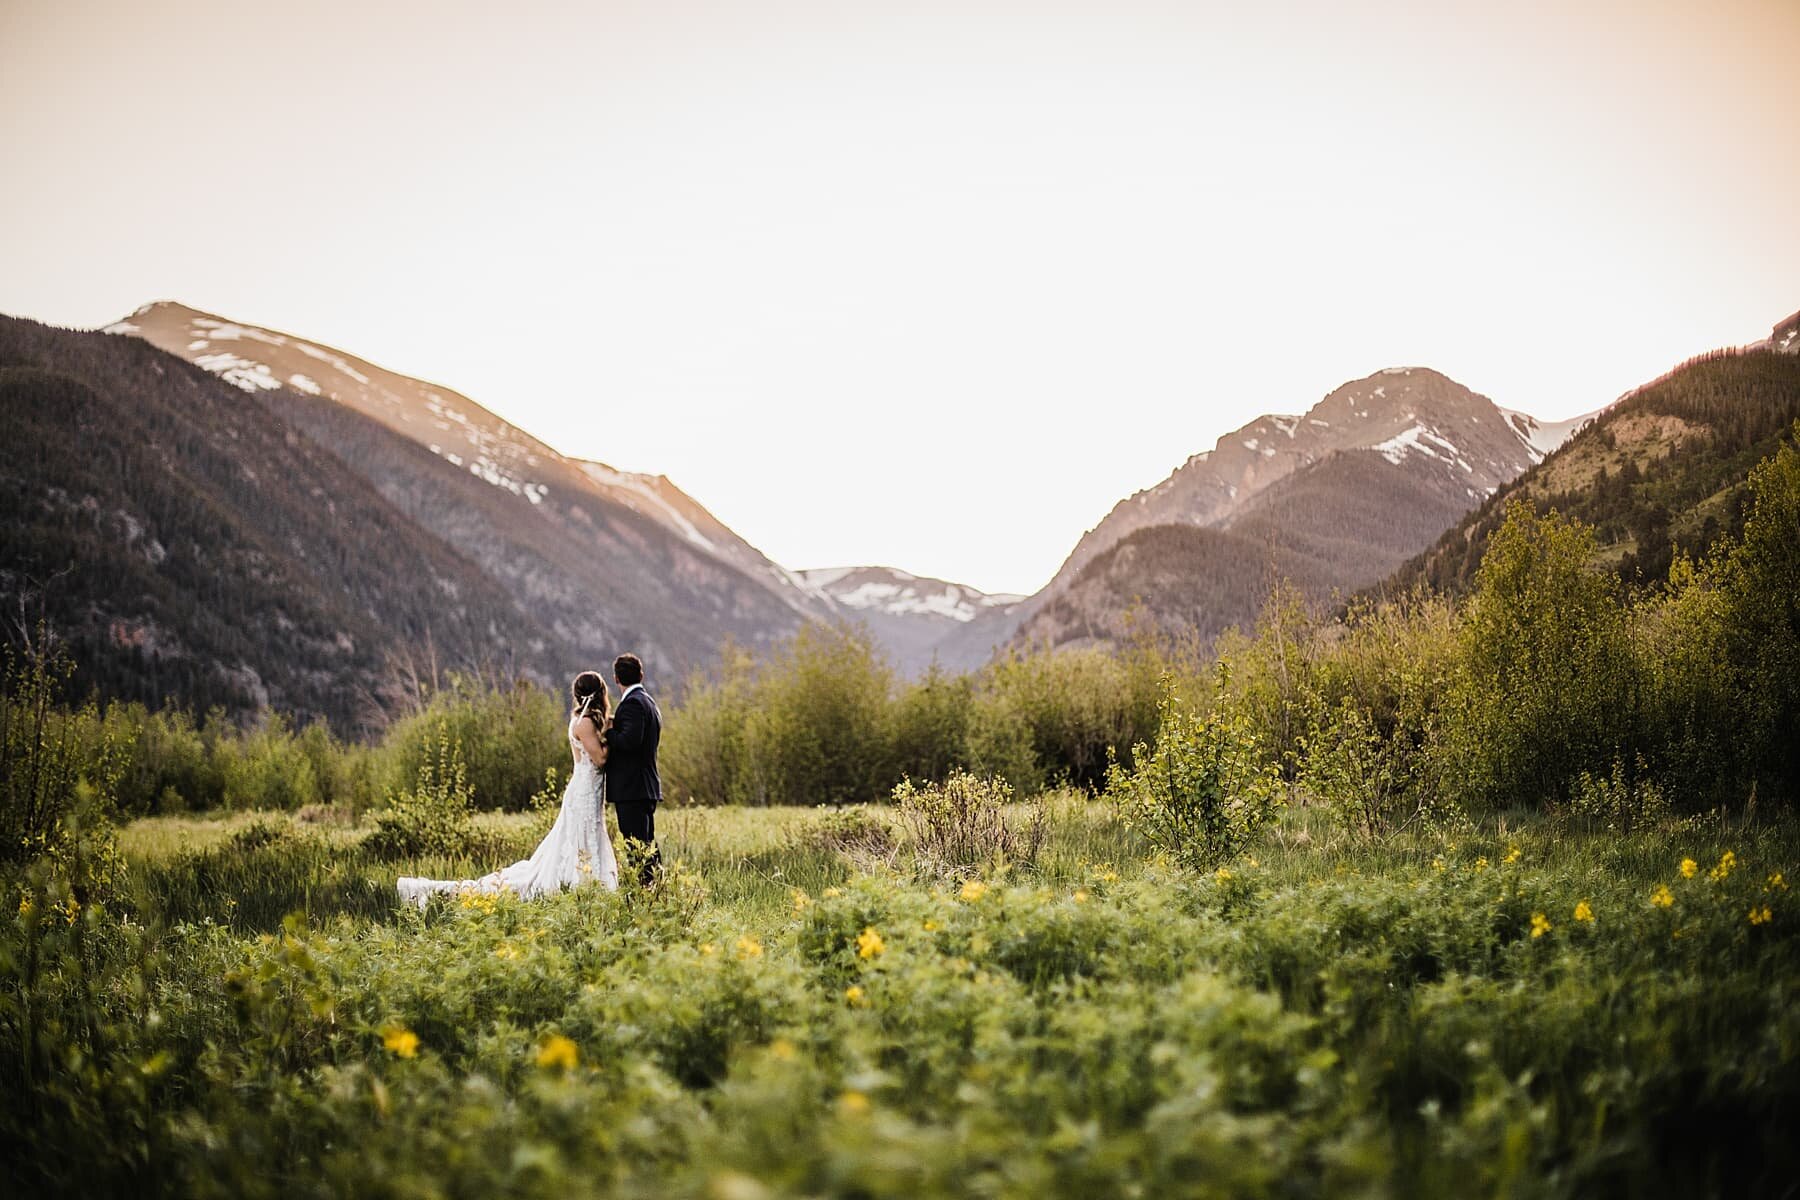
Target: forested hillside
column 1661, row 472
column 190, row 546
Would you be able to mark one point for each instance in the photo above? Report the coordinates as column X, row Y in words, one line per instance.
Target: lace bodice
column 582, row 758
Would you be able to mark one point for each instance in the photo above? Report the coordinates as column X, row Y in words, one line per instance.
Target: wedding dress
column 577, row 849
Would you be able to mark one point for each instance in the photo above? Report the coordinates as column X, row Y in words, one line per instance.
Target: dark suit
column 632, row 783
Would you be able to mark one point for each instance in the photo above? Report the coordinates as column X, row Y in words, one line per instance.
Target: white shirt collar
column 636, row 687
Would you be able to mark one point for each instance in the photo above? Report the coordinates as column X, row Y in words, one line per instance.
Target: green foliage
column 1545, row 685
column 816, row 728
column 59, row 772
column 1545, row 1013
column 1366, row 777
column 509, row 737
column 931, row 719
column 1082, row 708
column 432, row 816
column 961, row 827
column 822, row 720
column 1207, row 789
column 1761, row 601
column 1621, row 800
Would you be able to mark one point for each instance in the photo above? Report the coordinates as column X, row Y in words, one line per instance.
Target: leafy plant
column 433, row 816
column 961, row 827
column 1205, row 791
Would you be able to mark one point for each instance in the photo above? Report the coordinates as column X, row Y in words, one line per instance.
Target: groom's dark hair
column 628, row 670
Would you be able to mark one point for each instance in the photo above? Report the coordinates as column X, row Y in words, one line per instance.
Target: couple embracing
column 614, row 759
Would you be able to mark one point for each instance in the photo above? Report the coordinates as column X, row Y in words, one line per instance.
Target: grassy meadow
column 811, row 1004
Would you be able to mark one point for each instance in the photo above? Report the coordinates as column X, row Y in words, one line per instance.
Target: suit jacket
column 631, row 743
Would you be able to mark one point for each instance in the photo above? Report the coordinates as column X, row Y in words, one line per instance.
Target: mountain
column 604, row 559
column 1332, row 499
column 919, row 620
column 188, row 545
column 1662, row 470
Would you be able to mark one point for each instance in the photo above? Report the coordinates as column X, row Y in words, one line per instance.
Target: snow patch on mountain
column 1418, row 439
column 1542, row 437
column 639, row 493
column 899, row 593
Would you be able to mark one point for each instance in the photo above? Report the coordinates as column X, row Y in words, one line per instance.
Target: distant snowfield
column 898, row 593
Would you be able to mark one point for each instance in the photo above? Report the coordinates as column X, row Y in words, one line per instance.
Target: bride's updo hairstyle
column 588, row 692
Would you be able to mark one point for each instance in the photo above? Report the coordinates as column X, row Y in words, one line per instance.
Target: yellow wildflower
column 782, row 1049
column 1512, row 854
column 855, row 997
column 802, row 901
column 974, row 890
column 402, row 1041
column 748, row 947
column 707, row 949
column 1688, row 867
column 24, row 906
column 832, row 893
column 1223, row 874
column 1583, row 912
column 1540, row 925
column 853, row 1104
column 558, row 1053
column 1727, row 863
column 869, row 943
column 1481, row 863
column 1106, row 874
column 1662, row 897
column 1776, row 883
column 930, row 926
column 1437, row 864
column 1760, row 916
column 506, row 950
column 1081, row 895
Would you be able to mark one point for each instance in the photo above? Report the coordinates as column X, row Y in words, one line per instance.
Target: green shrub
column 1761, row 615
column 59, row 773
column 1621, row 800
column 930, row 725
column 961, row 827
column 509, row 737
column 268, row 768
column 857, row 832
column 1545, row 685
column 1205, row 791
column 432, row 816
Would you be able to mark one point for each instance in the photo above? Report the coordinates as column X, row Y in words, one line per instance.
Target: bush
column 930, row 726
column 509, row 737
column 1544, row 686
column 1081, row 709
column 961, row 827
column 1621, row 801
column 1761, row 585
column 1205, row 791
column 268, row 768
column 433, row 816
column 858, row 833
column 817, row 729
column 59, row 772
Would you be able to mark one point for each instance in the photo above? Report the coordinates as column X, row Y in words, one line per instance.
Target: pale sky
column 923, row 284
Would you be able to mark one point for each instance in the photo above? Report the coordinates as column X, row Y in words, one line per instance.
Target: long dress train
column 576, row 851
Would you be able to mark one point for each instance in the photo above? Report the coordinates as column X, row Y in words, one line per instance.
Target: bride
column 577, row 849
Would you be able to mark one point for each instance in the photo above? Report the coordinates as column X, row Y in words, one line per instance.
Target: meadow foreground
column 806, row 1007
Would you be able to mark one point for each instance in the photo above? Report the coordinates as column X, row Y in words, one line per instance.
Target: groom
column 632, row 783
